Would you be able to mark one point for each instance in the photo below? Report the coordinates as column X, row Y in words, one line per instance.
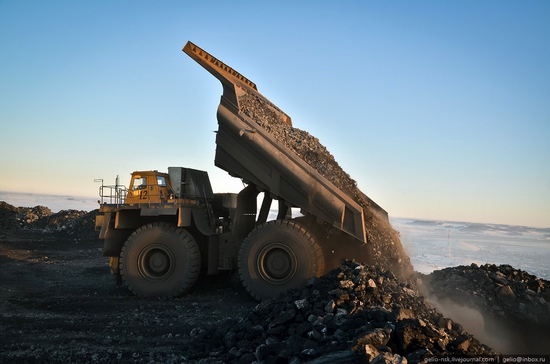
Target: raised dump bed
column 250, row 145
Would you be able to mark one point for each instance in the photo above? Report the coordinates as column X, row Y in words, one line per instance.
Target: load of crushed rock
column 388, row 253
column 355, row 313
column 77, row 225
column 513, row 304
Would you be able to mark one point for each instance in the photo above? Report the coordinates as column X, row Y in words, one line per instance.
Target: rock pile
column 75, row 224
column 12, row 217
column 514, row 304
column 355, row 313
column 388, row 252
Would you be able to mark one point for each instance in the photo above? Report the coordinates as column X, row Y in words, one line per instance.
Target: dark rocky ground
column 58, row 303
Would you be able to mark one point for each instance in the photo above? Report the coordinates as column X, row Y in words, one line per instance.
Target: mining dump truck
column 167, row 228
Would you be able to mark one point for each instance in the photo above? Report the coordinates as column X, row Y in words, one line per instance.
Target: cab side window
column 161, row 181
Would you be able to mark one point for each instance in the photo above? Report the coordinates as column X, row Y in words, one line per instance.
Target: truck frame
column 167, row 228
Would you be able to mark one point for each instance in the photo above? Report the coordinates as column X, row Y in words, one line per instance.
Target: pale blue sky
column 438, row 109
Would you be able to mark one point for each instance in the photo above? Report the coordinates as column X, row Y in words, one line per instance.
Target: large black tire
column 277, row 256
column 159, row 260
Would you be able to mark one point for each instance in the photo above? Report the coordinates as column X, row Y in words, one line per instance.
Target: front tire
column 277, row 256
column 159, row 260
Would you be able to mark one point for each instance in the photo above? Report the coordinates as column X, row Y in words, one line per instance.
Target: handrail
column 115, row 193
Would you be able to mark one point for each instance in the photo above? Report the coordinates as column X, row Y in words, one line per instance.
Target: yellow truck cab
column 149, row 187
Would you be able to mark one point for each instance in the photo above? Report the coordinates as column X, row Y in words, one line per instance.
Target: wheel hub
column 276, row 263
column 156, row 262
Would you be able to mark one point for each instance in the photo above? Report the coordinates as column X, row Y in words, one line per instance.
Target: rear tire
column 160, row 260
column 277, row 256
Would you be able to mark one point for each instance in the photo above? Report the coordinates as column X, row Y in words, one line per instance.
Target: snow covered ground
column 430, row 244
column 435, row 245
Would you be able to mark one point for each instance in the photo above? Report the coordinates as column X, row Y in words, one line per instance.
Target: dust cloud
column 483, row 327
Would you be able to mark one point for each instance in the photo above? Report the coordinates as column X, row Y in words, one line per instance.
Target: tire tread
column 186, row 238
column 317, row 268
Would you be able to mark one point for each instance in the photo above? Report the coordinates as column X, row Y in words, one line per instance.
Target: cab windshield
column 139, row 183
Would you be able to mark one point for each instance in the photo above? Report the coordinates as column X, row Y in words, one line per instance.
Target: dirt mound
column 511, row 305
column 355, row 313
column 8, row 216
column 388, row 253
column 12, row 217
column 78, row 225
